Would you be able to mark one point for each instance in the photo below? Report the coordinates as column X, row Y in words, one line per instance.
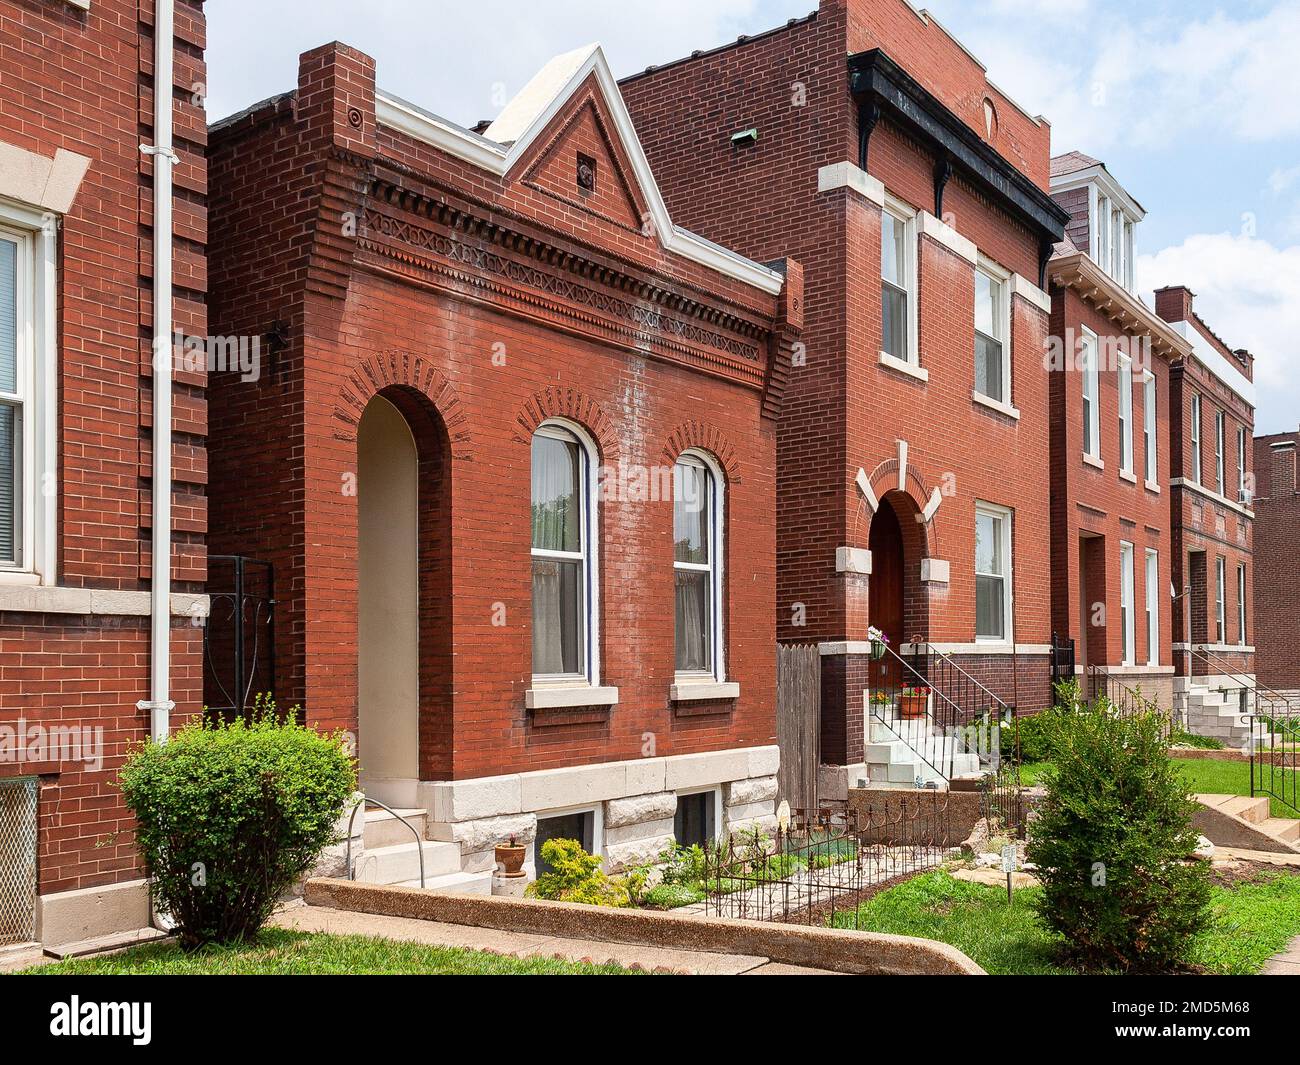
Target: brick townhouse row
column 563, row 422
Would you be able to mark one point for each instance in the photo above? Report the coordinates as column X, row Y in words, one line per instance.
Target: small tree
column 576, row 876
column 1113, row 843
column 230, row 815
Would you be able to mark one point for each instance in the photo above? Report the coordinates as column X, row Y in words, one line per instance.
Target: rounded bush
column 230, row 815
column 1113, row 842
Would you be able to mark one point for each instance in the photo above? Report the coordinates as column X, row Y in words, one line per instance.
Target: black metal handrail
column 910, row 699
column 1275, row 700
column 968, row 694
column 1275, row 759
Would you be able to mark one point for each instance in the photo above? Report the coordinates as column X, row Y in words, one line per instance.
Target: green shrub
column 1112, row 841
column 670, row 896
column 1035, row 736
column 576, row 876
column 682, row 865
column 229, row 815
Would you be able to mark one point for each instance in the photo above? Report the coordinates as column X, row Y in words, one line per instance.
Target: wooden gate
column 798, row 723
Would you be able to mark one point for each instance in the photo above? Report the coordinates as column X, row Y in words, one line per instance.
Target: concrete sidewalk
column 530, row 945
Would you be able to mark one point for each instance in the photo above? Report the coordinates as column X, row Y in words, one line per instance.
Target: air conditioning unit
column 1245, row 497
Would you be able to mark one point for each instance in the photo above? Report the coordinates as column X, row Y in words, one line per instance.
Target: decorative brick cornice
column 573, row 405
column 401, row 369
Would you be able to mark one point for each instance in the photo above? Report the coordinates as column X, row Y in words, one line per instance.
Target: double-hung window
column 15, row 395
column 1091, row 413
column 1218, row 451
column 1196, row 438
column 1149, row 445
column 1153, row 607
column 1241, row 604
column 992, row 573
column 898, row 283
column 1243, row 493
column 1126, row 602
column 1125, row 414
column 697, row 550
column 1219, row 580
column 561, row 552
column 992, row 333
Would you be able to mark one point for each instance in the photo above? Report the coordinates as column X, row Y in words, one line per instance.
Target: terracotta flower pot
column 510, row 858
column 911, row 706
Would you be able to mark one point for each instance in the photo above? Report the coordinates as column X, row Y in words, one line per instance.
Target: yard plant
column 1112, row 843
column 230, row 814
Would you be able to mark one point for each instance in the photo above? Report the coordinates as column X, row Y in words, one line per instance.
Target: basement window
column 577, row 824
column 694, row 824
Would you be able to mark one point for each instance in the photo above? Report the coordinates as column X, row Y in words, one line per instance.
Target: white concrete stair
column 400, row 863
column 383, row 829
column 897, row 749
column 455, row 883
column 1216, row 714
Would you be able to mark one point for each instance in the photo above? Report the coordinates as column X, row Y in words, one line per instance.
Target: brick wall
column 1277, row 558
column 377, row 309
column 844, row 411
column 80, row 81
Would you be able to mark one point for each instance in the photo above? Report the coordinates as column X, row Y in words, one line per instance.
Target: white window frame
column 1153, row 606
column 1149, row 439
column 1124, row 378
column 1196, row 438
column 1241, row 464
column 1091, row 395
column 1220, row 594
column 906, row 215
column 1128, row 654
column 1241, row 605
column 1001, row 279
column 36, row 234
column 1006, row 515
column 716, row 793
column 1220, row 471
column 562, row 429
column 717, row 502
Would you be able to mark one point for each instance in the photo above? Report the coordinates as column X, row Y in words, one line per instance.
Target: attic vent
column 586, row 173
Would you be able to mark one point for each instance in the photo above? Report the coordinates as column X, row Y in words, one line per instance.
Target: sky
column 1192, row 105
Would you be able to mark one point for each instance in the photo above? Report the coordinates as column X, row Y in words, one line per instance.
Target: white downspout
column 159, row 703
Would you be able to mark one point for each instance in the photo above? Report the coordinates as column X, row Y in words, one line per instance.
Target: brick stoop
column 1244, row 821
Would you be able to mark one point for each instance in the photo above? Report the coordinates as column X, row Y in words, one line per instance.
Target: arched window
column 697, row 566
column 562, row 551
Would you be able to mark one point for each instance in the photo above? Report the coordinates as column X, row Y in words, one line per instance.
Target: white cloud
column 1245, row 291
column 1282, row 179
column 463, row 60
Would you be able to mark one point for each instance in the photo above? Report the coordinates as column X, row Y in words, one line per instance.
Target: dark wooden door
column 886, row 591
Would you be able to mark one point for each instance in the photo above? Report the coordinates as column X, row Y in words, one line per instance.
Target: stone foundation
column 632, row 803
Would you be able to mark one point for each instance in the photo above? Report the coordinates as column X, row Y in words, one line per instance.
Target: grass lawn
column 1252, row 922
column 1214, row 777
column 281, row 952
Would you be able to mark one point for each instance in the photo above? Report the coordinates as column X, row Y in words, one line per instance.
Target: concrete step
column 1286, row 828
column 456, row 883
column 1248, row 808
column 400, row 864
column 385, row 830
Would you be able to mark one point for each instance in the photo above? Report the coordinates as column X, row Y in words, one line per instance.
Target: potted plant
column 879, row 698
column 913, row 701
column 879, row 641
column 510, row 858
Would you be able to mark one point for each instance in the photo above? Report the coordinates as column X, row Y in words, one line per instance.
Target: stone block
column 751, row 789
column 637, row 808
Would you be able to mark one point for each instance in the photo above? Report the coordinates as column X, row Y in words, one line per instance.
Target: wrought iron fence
column 822, row 866
column 1274, row 759
column 1128, row 702
column 1002, row 800
column 239, row 640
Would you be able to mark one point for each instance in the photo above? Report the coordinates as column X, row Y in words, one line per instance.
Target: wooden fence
column 798, row 723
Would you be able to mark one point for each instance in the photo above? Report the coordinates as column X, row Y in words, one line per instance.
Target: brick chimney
column 1174, row 303
column 336, row 95
column 1282, row 472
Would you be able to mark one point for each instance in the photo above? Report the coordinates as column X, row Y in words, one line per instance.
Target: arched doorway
column 388, row 605
column 885, row 591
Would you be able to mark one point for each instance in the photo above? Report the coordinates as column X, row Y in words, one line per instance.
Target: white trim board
column 527, row 116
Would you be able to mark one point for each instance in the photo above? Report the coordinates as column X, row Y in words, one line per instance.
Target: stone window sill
column 569, row 695
column 902, row 366
column 698, row 691
column 996, row 405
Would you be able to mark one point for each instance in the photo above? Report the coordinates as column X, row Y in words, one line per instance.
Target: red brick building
column 77, row 396
column 1212, row 412
column 477, row 326
column 1112, row 552
column 1277, row 562
column 913, row 446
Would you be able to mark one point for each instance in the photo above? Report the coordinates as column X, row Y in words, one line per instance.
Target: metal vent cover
column 17, row 861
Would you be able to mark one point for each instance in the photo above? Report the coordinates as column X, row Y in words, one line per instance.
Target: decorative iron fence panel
column 239, row 640
column 821, row 867
column 18, row 821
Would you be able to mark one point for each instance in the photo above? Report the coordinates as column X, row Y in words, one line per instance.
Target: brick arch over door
column 884, row 480
column 403, row 372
